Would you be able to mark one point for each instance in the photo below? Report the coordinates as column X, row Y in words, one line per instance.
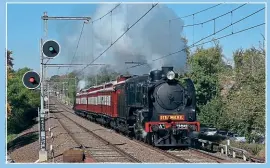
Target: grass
column 254, row 149
column 22, row 141
column 11, row 137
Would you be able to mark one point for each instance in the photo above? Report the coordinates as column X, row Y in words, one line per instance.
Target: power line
column 181, row 17
column 92, row 23
column 219, row 30
column 110, row 11
column 201, row 44
column 153, row 6
column 193, row 45
column 213, row 19
column 231, row 34
column 107, row 13
column 77, row 44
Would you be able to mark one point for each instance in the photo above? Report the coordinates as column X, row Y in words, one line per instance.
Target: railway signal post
column 48, row 50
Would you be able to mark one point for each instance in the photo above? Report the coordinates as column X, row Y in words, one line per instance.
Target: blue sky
column 25, row 27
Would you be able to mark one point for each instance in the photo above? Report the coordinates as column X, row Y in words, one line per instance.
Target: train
column 155, row 108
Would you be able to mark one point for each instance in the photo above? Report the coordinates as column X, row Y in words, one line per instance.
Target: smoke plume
column 152, row 37
column 81, row 84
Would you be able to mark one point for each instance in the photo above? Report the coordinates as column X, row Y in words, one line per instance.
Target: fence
column 230, row 151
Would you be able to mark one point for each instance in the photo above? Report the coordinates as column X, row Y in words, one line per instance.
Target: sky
column 25, row 28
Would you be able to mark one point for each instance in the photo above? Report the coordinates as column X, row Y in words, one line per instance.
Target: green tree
column 72, row 86
column 105, row 74
column 206, row 69
column 9, row 76
column 228, row 97
column 24, row 103
column 9, row 59
column 205, row 65
column 245, row 103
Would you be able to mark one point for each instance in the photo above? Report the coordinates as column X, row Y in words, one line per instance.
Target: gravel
column 61, row 141
column 137, row 150
column 98, row 150
column 101, row 152
column 25, row 147
column 143, row 153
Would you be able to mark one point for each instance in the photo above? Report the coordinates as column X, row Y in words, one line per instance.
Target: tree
column 105, row 74
column 9, row 76
column 24, row 103
column 206, row 69
column 231, row 98
column 205, row 65
column 245, row 103
column 9, row 59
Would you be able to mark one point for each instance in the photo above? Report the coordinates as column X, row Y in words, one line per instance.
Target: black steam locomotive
column 161, row 111
column 155, row 107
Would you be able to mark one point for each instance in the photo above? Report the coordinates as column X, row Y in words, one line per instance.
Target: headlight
column 170, row 75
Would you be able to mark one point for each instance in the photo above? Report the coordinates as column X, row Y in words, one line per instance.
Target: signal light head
column 51, row 49
column 31, row 80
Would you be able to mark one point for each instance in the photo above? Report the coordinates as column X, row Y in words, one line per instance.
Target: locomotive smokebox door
column 170, row 97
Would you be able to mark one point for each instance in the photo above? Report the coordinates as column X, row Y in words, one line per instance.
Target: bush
column 23, row 102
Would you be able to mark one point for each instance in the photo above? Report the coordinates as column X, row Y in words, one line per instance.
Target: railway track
column 107, row 152
column 188, row 156
column 183, row 156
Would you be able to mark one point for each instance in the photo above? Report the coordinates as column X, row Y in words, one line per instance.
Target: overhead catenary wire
column 230, row 34
column 110, row 11
column 221, row 29
column 181, row 17
column 152, row 7
column 107, row 13
column 191, row 46
column 77, row 44
column 213, row 19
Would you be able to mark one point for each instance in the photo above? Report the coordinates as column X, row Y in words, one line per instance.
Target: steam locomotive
column 154, row 108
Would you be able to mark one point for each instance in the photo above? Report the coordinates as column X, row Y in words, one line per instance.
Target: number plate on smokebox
column 172, row 117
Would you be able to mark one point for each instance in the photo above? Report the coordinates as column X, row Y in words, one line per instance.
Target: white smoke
column 149, row 39
column 81, row 84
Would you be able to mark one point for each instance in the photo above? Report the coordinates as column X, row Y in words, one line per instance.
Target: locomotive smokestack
column 165, row 70
column 156, row 75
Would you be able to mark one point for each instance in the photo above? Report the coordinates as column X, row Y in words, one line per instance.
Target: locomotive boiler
column 155, row 108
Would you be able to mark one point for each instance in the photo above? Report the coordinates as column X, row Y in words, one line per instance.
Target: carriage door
column 101, row 103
